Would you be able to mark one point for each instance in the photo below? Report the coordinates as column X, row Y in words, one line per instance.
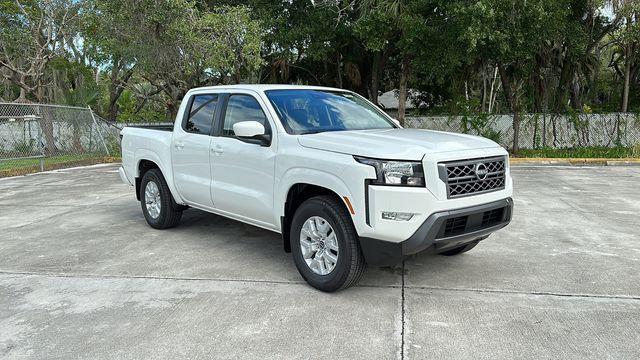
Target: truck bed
column 160, row 127
column 154, row 141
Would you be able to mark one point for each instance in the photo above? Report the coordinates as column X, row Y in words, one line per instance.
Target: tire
column 168, row 213
column 460, row 250
column 350, row 264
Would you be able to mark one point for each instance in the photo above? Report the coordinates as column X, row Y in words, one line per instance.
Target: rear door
column 243, row 172
column 190, row 149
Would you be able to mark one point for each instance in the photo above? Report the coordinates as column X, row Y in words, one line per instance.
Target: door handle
column 179, row 145
column 217, row 149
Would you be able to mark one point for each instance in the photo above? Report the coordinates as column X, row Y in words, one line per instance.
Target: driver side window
column 243, row 108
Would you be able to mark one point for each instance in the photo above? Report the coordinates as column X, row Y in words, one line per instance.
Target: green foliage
column 229, row 41
column 133, row 111
column 579, row 124
column 127, row 104
column 477, row 123
column 24, row 147
column 79, row 87
column 583, row 152
column 375, row 28
column 135, row 59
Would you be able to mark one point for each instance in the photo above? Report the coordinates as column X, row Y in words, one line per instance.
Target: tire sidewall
column 149, row 176
column 337, row 277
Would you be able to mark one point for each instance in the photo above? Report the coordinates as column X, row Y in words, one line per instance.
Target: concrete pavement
column 83, row 276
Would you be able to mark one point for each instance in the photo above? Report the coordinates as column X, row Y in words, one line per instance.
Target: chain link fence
column 542, row 130
column 36, row 137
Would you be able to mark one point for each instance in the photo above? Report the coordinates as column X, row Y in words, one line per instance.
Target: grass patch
column 587, row 152
column 27, row 166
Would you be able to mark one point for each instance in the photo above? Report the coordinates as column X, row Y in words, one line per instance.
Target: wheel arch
column 146, row 160
column 142, row 166
column 296, row 192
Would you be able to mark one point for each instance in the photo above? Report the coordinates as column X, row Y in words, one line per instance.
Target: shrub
column 26, row 146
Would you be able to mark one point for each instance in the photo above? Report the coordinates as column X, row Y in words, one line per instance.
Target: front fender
column 302, row 175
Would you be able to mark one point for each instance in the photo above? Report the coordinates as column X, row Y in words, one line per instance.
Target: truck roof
column 264, row 87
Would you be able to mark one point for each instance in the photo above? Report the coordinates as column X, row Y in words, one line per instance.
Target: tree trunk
column 627, row 80
column 379, row 62
column 237, row 77
column 46, row 123
column 538, row 87
column 339, row 71
column 492, row 93
column 576, row 100
column 176, row 96
column 512, row 101
column 566, row 76
column 116, row 88
column 22, row 97
column 114, row 94
column 402, row 96
column 484, row 90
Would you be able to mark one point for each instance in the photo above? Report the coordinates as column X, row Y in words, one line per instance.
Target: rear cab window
column 200, row 115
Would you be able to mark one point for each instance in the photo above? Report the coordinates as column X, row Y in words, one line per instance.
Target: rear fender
column 144, row 154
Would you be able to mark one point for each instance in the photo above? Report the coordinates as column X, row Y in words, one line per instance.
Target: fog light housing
column 396, row 216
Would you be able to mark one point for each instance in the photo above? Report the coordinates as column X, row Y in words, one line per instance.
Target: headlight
column 396, row 173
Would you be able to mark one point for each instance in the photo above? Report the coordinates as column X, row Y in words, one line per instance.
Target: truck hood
column 401, row 144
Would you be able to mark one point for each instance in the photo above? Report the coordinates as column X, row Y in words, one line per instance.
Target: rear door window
column 201, row 113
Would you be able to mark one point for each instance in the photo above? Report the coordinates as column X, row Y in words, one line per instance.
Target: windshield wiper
column 311, row 132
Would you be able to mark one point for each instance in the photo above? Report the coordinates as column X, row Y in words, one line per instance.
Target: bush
column 24, row 147
column 585, row 152
column 635, row 150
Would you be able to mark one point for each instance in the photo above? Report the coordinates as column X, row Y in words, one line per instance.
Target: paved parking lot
column 83, row 276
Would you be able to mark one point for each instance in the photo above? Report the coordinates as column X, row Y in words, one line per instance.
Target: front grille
column 474, row 176
column 460, row 225
column 493, row 217
column 455, row 226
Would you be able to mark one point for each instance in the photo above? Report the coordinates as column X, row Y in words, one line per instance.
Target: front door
column 243, row 173
column 190, row 154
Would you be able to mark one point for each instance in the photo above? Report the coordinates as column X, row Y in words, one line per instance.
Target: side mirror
column 252, row 131
column 395, row 121
column 248, row 129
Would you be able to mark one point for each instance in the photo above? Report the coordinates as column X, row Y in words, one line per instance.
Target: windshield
column 313, row 111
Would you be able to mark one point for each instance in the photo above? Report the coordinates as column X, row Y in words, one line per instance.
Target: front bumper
column 123, row 176
column 440, row 231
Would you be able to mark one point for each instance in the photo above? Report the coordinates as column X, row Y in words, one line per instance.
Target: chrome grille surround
column 473, row 176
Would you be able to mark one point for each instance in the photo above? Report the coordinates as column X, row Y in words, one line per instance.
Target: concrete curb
column 574, row 162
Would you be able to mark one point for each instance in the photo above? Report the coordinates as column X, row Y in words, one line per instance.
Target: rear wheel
column 460, row 250
column 325, row 245
column 158, row 207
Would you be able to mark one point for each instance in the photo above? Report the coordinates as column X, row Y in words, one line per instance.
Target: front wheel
column 158, row 207
column 325, row 246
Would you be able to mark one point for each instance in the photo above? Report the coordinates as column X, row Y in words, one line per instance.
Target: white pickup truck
column 343, row 183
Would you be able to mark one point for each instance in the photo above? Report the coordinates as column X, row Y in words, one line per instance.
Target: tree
column 31, row 34
column 173, row 45
column 628, row 41
column 510, row 34
column 110, row 39
column 376, row 29
column 397, row 14
column 229, row 42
